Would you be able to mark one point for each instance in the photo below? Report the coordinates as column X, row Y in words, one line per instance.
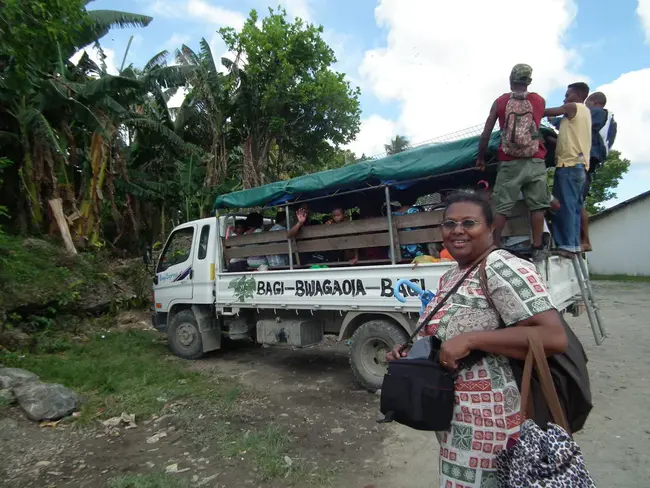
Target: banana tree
column 204, row 114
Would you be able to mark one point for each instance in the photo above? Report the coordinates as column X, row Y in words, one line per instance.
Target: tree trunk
column 57, row 210
column 255, row 161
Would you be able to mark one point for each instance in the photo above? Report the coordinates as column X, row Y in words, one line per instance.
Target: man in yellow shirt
column 571, row 166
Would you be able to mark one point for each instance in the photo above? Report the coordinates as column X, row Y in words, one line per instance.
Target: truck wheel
column 184, row 336
column 370, row 344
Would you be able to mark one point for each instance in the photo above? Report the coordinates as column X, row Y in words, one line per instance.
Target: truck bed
column 363, row 288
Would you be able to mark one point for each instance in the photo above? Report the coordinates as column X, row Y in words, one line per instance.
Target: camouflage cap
column 521, row 73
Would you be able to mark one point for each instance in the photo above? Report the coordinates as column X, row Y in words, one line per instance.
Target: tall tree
column 287, row 93
column 397, row 145
column 606, row 180
column 204, row 115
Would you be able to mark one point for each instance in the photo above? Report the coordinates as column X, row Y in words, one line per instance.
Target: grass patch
column 38, row 272
column 124, row 372
column 131, row 371
column 620, row 277
column 156, row 480
column 266, row 449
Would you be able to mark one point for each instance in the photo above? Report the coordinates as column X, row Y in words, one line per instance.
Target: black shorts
column 593, row 166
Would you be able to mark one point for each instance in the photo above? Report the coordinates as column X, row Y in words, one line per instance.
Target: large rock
column 7, row 397
column 13, row 377
column 42, row 401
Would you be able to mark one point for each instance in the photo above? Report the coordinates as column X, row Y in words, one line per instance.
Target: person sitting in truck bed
column 239, row 229
column 337, row 216
column 279, row 260
column 369, row 209
column 409, row 251
column 255, row 225
column 303, row 218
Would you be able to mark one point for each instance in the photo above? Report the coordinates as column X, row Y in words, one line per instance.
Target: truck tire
column 184, row 336
column 369, row 345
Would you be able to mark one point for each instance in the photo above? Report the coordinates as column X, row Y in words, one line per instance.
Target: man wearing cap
column 521, row 154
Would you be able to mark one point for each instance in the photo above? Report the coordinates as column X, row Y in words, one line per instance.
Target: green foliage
column 126, row 166
column 287, row 94
column 33, row 31
column 606, row 180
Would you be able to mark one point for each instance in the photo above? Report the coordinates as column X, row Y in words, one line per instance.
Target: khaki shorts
column 525, row 176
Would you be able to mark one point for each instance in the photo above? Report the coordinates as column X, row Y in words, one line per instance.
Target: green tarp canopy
column 444, row 165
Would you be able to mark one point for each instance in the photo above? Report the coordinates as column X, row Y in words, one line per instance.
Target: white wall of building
column 621, row 241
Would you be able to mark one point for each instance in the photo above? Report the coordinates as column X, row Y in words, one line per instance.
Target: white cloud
column 643, row 11
column 375, row 132
column 214, row 14
column 93, row 53
column 200, row 10
column 298, row 8
column 631, row 107
column 176, row 41
column 165, row 8
column 445, row 62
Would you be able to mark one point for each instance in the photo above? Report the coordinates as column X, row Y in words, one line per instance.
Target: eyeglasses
column 465, row 224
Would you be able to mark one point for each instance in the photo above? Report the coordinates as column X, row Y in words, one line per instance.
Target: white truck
column 198, row 302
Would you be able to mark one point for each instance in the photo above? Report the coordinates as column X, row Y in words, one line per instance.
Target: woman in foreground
column 487, row 412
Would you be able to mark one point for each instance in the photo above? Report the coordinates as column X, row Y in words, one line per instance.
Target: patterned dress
column 486, row 414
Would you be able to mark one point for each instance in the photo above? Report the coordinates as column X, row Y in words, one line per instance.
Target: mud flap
column 209, row 328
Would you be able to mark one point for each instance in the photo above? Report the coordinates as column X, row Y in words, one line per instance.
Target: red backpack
column 520, row 134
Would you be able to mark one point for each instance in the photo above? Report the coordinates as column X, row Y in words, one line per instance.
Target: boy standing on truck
column 603, row 135
column 572, row 155
column 521, row 154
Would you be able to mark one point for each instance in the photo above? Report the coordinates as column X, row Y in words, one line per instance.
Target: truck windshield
column 177, row 250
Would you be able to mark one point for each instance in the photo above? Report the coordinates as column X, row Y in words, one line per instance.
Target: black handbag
column 568, row 371
column 419, row 393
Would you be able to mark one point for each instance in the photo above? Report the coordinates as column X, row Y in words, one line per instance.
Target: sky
column 427, row 68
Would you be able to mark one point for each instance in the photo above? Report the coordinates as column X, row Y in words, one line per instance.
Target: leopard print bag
column 543, row 459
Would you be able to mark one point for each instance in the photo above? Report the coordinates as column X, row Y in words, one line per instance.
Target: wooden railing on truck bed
column 420, row 228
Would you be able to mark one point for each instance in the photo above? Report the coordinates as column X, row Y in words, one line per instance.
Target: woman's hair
column 479, row 199
column 281, row 216
column 254, row 220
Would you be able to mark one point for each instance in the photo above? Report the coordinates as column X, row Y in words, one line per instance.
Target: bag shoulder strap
column 537, row 355
column 453, row 290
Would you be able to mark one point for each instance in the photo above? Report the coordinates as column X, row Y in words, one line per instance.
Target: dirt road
column 616, row 441
column 331, row 422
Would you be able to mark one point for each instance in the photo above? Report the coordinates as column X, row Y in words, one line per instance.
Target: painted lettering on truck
column 349, row 288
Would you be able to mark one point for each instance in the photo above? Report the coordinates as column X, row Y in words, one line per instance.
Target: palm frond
column 158, row 127
column 87, row 65
column 170, row 76
column 108, row 84
column 157, row 61
column 106, row 20
column 185, row 55
column 206, row 54
column 102, row 21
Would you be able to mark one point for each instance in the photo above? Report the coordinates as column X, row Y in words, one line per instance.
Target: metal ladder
column 582, row 274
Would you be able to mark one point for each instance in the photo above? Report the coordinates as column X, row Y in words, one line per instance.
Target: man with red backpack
column 521, row 154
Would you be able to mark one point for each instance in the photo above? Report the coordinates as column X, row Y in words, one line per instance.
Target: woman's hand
column 453, row 350
column 396, row 354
